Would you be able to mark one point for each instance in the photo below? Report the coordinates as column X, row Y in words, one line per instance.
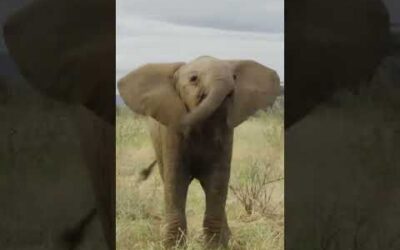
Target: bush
column 253, row 191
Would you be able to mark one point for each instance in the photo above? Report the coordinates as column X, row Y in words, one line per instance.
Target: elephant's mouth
column 201, row 98
column 230, row 95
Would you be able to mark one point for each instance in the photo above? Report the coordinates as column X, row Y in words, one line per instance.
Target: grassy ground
column 255, row 199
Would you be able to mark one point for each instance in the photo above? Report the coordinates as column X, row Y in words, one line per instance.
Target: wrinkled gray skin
column 336, row 163
column 50, row 203
column 194, row 108
column 330, row 45
column 66, row 49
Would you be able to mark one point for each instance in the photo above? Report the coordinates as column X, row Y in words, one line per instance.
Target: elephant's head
column 185, row 94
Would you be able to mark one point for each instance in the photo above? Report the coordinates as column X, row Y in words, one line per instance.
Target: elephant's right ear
column 149, row 91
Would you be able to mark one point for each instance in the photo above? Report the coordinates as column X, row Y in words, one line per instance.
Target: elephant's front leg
column 176, row 181
column 215, row 223
column 175, row 193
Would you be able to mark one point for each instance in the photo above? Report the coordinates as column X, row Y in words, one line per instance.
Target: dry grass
column 257, row 160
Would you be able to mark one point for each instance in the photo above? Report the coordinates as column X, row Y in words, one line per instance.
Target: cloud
column 181, row 30
column 255, row 15
column 141, row 40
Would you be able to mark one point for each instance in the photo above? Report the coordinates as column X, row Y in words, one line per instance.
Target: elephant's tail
column 145, row 173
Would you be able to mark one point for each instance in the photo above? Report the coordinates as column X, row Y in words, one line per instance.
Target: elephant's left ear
column 256, row 87
column 66, row 49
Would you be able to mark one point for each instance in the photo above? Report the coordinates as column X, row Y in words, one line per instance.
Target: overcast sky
column 161, row 30
column 180, row 30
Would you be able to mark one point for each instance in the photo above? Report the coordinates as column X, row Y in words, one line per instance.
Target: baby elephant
column 194, row 108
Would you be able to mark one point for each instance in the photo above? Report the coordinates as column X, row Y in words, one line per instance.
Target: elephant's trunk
column 213, row 100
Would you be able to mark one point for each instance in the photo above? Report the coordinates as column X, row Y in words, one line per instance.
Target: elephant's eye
column 193, row 78
column 234, row 77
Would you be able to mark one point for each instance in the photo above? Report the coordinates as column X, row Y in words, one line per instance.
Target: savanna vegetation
column 255, row 199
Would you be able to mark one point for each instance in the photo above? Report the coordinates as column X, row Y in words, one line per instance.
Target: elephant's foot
column 216, row 232
column 175, row 233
